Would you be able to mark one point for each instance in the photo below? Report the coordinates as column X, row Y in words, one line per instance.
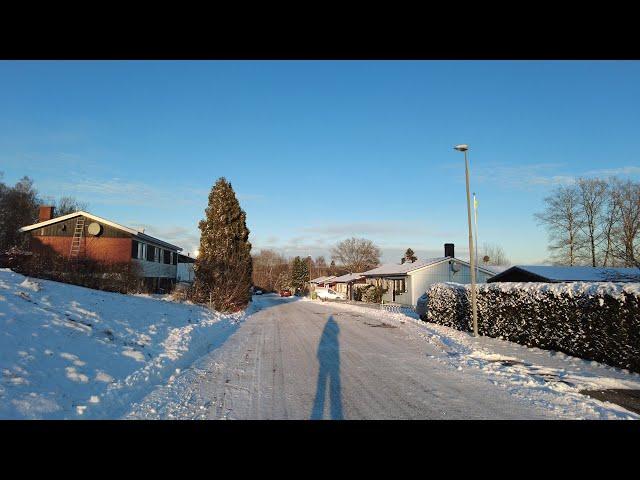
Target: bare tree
column 319, row 267
column 356, row 254
column 610, row 221
column 268, row 266
column 627, row 198
column 561, row 217
column 592, row 199
column 66, row 205
column 494, row 254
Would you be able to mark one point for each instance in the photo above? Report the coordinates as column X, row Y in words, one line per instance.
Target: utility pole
column 474, row 312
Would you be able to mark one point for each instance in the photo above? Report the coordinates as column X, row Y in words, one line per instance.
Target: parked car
column 258, row 292
column 285, row 293
column 421, row 307
column 329, row 294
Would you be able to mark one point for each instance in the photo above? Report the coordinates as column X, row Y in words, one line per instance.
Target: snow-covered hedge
column 596, row 321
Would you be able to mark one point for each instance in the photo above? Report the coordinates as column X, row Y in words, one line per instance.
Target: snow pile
column 71, row 352
column 596, row 321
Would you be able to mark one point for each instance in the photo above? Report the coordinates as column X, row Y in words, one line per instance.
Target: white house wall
column 441, row 272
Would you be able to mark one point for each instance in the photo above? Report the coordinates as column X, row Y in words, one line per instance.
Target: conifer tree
column 332, row 268
column 224, row 266
column 299, row 274
column 409, row 256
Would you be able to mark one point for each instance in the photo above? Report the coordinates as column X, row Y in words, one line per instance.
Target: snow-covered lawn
column 72, row 352
column 549, row 379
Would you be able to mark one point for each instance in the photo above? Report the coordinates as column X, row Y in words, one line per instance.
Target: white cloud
column 541, row 174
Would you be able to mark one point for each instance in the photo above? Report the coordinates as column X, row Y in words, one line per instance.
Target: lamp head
column 461, row 148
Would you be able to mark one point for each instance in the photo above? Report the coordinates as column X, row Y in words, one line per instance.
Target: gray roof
column 580, row 274
column 349, row 277
column 402, row 268
column 322, row 279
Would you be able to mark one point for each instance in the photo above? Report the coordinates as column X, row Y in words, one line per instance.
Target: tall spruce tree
column 299, row 274
column 224, row 266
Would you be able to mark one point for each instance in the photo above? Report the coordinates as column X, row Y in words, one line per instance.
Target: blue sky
column 319, row 151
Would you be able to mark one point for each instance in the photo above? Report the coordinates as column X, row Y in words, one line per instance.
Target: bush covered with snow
column 596, row 321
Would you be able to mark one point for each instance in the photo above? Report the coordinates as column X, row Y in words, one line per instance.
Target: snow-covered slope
column 72, row 352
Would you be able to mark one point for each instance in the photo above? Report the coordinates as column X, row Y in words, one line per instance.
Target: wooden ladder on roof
column 76, row 241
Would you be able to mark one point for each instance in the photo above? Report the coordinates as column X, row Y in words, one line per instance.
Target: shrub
column 374, row 294
column 112, row 277
column 595, row 321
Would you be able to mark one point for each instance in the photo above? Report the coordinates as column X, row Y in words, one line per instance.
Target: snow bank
column 596, row 321
column 72, row 352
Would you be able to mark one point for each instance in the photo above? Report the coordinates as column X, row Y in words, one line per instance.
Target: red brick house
column 84, row 235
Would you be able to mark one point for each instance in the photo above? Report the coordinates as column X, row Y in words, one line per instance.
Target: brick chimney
column 449, row 250
column 46, row 213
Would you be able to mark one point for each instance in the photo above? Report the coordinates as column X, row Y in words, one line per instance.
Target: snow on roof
column 390, row 269
column 497, row 268
column 98, row 219
column 322, row 279
column 582, row 274
column 349, row 277
column 402, row 268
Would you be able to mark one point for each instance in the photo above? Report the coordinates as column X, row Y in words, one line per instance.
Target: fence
column 389, row 307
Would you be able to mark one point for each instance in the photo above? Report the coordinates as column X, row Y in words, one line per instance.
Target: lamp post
column 475, row 226
column 474, row 312
column 309, row 257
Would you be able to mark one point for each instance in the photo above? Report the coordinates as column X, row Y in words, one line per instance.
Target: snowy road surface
column 298, row 359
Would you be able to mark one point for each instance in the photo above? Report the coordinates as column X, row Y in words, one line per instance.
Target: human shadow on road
column 329, row 359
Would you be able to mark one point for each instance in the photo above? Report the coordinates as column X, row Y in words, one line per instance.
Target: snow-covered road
column 298, row 359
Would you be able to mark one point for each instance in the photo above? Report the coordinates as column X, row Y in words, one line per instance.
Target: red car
column 285, row 293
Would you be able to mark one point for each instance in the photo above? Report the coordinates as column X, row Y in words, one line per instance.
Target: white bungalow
column 344, row 283
column 408, row 281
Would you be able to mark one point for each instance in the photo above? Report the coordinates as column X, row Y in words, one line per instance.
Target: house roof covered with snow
column 323, row 279
column 400, row 269
column 349, row 277
column 137, row 233
column 548, row 273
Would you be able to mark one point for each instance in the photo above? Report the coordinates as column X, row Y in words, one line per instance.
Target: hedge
column 594, row 321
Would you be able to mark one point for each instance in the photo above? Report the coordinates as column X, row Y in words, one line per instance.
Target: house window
column 167, row 256
column 142, row 251
column 134, row 249
column 156, row 254
column 151, row 253
column 399, row 286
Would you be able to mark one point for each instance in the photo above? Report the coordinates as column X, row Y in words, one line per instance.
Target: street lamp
column 310, row 260
column 474, row 312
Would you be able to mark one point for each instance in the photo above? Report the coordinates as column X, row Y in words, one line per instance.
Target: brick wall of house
column 103, row 249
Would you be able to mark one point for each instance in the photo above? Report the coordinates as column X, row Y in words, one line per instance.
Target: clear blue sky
column 320, row 151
